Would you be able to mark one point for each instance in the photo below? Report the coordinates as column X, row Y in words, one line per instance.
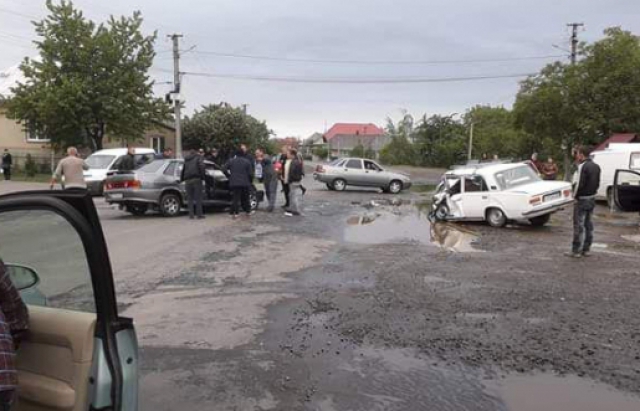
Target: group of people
column 548, row 170
column 243, row 170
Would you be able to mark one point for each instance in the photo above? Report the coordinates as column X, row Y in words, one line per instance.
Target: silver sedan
column 344, row 172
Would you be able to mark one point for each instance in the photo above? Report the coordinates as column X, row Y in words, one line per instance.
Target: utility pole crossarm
column 574, row 40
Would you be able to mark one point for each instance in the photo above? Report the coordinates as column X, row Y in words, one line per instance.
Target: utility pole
column 176, row 91
column 567, row 145
column 470, row 140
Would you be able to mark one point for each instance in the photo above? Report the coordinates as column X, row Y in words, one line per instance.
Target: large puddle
column 406, row 223
column 554, row 393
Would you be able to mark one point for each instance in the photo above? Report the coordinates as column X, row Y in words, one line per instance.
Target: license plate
column 115, row 196
column 551, row 197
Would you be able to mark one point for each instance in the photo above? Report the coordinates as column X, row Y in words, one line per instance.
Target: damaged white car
column 498, row 194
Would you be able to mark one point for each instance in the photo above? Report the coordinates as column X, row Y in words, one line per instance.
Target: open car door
column 79, row 354
column 626, row 190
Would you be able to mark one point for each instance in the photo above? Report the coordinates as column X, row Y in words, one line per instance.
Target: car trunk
column 123, row 181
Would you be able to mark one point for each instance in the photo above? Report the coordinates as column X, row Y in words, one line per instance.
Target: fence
column 43, row 164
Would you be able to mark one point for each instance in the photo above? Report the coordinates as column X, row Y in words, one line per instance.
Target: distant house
column 618, row 138
column 310, row 144
column 342, row 138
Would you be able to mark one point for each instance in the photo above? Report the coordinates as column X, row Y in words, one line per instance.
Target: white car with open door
column 498, row 193
column 627, row 190
column 79, row 355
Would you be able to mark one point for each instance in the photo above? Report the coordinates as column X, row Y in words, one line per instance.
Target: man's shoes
column 288, row 214
column 586, row 253
column 572, row 254
column 270, row 210
column 191, row 217
column 234, row 216
column 201, row 217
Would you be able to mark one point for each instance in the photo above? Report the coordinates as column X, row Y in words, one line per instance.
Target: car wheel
column 395, row 187
column 441, row 213
column 540, row 221
column 496, row 217
column 170, row 205
column 339, row 184
column 253, row 201
column 137, row 209
column 330, row 187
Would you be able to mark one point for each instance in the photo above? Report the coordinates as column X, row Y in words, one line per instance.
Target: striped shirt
column 14, row 318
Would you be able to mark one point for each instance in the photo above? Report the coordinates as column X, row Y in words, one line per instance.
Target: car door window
column 371, row 166
column 354, row 164
column 46, row 244
column 171, row 169
column 474, row 185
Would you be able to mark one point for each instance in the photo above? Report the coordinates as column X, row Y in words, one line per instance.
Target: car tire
column 540, row 221
column 137, row 209
column 496, row 217
column 253, row 201
column 441, row 213
column 339, row 184
column 330, row 187
column 395, row 187
column 170, row 205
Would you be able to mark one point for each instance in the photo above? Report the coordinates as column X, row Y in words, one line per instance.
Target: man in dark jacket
column 14, row 323
column 585, row 202
column 128, row 162
column 193, row 174
column 7, row 162
column 294, row 172
column 269, row 177
column 240, row 178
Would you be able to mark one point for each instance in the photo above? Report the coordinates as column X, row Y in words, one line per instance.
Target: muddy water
column 553, row 393
column 407, row 223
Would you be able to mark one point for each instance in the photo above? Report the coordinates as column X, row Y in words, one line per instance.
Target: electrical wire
column 380, row 62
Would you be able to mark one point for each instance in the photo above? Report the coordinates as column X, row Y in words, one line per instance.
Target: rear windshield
column 99, row 161
column 336, row 162
column 515, row 177
column 152, row 167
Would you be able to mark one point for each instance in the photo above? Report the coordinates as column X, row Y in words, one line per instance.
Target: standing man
column 72, row 169
column 193, row 174
column 294, row 174
column 283, row 158
column 166, row 154
column 240, row 179
column 584, row 204
column 14, row 323
column 7, row 162
column 550, row 170
column 536, row 163
column 128, row 162
column 212, row 155
column 269, row 177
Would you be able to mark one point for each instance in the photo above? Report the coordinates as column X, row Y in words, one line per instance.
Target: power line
column 17, row 13
column 382, row 62
column 397, row 80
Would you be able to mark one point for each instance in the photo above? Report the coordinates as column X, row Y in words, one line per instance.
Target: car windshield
column 152, row 167
column 515, row 177
column 336, row 162
column 99, row 161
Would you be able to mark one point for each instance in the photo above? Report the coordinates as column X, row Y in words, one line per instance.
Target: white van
column 615, row 157
column 103, row 161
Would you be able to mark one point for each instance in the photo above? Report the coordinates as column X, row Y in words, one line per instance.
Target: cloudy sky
column 348, row 40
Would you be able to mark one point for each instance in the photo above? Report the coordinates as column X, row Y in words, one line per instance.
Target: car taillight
column 108, row 186
column 535, row 200
column 567, row 193
column 132, row 184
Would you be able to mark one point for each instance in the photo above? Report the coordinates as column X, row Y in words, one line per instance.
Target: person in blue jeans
column 585, row 202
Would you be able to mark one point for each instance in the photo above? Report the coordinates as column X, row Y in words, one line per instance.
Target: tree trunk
column 567, row 159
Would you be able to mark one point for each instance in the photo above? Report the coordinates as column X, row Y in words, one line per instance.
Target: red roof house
column 353, row 129
column 618, row 138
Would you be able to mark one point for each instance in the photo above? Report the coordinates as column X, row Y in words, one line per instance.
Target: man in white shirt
column 72, row 169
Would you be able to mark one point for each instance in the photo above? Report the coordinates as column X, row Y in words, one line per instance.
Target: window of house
column 157, row 144
column 355, row 164
column 33, row 135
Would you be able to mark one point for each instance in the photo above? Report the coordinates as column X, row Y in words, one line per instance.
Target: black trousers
column 240, row 198
column 286, row 189
column 194, row 197
column 7, row 173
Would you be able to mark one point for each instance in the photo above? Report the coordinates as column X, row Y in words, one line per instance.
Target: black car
column 157, row 186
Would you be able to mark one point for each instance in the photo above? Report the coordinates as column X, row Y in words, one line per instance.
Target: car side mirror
column 22, row 277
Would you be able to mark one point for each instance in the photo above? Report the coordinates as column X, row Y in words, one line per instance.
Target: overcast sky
column 338, row 30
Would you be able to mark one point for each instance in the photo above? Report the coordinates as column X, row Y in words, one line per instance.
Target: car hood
column 540, row 187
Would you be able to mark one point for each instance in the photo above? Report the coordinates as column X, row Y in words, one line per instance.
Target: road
column 362, row 305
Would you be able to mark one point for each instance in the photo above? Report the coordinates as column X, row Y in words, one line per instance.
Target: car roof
column 482, row 169
column 122, row 151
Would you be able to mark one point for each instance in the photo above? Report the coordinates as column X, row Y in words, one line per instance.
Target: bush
column 30, row 166
column 399, row 152
column 321, row 152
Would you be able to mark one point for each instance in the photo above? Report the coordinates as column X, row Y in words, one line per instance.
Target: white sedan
column 499, row 193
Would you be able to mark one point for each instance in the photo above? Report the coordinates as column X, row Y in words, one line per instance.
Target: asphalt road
column 362, row 305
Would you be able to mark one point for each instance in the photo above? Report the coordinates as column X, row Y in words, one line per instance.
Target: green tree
column 439, row 141
column 225, row 128
column 495, row 133
column 89, row 80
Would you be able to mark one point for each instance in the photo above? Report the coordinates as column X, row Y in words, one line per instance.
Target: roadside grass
column 423, row 188
column 38, row 178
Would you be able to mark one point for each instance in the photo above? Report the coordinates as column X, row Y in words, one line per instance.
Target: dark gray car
column 157, row 186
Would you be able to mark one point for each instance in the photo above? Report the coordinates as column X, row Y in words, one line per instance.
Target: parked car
column 616, row 156
column 104, row 161
column 157, row 186
column 79, row 353
column 499, row 193
column 359, row 172
column 627, row 190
